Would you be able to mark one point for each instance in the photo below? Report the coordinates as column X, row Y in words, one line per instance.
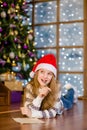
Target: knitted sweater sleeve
column 30, row 101
column 34, row 104
column 50, row 113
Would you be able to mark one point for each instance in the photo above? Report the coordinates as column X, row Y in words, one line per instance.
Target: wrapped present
column 15, row 97
column 14, row 85
column 16, row 90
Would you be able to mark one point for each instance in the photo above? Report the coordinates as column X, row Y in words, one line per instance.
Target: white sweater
column 35, row 103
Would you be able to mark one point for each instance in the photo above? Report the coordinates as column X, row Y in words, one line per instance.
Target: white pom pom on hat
column 46, row 62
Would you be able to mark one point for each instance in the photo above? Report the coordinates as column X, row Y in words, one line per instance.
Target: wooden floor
column 75, row 119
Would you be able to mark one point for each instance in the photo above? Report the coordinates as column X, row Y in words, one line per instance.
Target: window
column 59, row 28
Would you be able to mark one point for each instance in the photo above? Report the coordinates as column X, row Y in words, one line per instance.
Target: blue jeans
column 68, row 99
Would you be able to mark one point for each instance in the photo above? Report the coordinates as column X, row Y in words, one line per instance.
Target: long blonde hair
column 52, row 97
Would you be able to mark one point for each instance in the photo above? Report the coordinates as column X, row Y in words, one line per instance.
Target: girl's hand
column 26, row 111
column 44, row 91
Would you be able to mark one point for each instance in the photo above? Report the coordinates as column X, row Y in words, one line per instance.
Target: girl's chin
column 43, row 84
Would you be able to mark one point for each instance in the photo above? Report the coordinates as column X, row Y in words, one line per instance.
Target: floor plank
column 74, row 119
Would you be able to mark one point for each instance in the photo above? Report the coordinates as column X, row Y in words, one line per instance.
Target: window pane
column 45, row 36
column 75, row 79
column 45, row 12
column 71, row 34
column 71, row 59
column 43, row 52
column 28, row 0
column 71, row 10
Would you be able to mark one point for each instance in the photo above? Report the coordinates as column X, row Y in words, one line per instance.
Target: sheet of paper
column 27, row 120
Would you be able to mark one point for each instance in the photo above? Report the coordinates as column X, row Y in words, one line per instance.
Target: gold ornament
column 9, row 11
column 11, row 33
column 17, row 7
column 4, row 56
column 3, row 14
column 19, row 0
column 19, row 47
column 23, row 55
column 30, row 59
column 13, row 63
column 19, row 53
column 24, row 64
column 12, row 10
column 13, row 75
column 27, row 40
column 16, row 32
column 30, row 31
column 8, row 60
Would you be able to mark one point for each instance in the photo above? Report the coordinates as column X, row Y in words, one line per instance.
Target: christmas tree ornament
column 16, row 58
column 30, row 37
column 9, row 12
column 19, row 46
column 2, row 62
column 8, row 60
column 25, row 47
column 15, row 39
column 16, row 68
column 24, row 64
column 4, row 56
column 26, row 67
column 31, row 31
column 3, row 14
column 16, row 32
column 17, row 7
column 32, row 54
column 12, row 5
column 23, row 55
column 30, row 59
column 27, row 40
column 4, row 4
column 13, row 63
column 12, row 10
column 12, row 55
column 19, row 53
column 1, row 29
column 13, row 75
column 11, row 32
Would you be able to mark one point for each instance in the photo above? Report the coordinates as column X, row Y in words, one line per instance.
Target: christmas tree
column 17, row 49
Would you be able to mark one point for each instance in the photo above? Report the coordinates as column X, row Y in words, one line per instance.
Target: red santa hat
column 46, row 62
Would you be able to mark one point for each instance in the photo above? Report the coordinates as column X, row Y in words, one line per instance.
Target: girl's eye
column 41, row 71
column 49, row 73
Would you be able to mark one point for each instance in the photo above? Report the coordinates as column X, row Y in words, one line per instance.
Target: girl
column 43, row 94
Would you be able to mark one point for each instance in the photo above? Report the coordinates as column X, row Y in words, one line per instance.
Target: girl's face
column 44, row 77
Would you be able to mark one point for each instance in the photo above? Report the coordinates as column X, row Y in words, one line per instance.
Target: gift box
column 15, row 97
column 14, row 85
